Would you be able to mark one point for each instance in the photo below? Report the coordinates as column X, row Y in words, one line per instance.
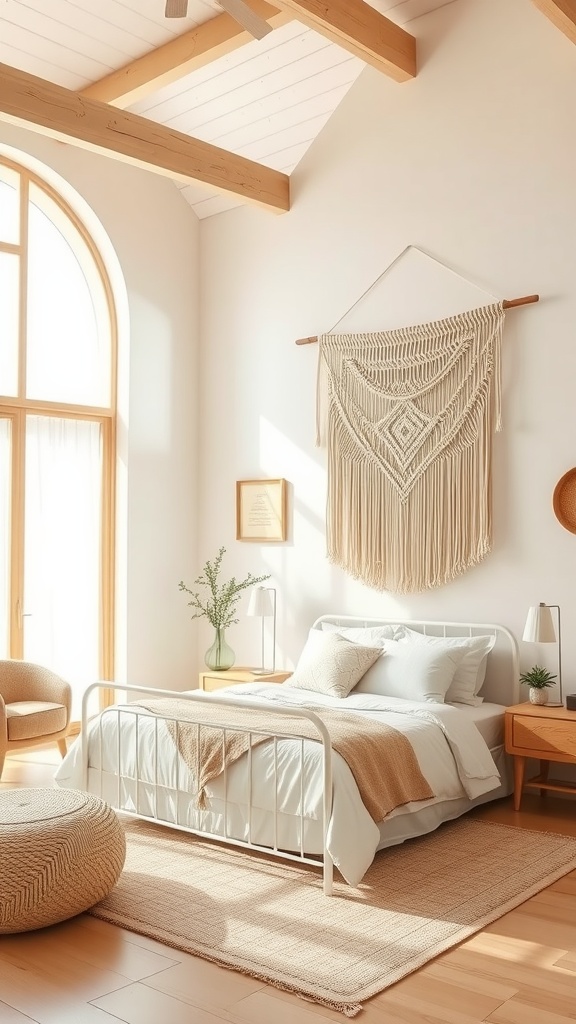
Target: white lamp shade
column 260, row 602
column 539, row 628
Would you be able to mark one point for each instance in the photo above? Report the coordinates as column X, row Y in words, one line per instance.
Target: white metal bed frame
column 509, row 679
column 291, row 712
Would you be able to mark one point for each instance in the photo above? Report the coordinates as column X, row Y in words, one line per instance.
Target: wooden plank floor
column 520, row 970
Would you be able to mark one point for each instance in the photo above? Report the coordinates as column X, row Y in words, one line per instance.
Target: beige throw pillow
column 331, row 664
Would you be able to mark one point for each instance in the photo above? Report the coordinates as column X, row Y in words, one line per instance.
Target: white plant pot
column 537, row 696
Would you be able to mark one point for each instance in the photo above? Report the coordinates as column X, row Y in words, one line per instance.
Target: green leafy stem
column 219, row 605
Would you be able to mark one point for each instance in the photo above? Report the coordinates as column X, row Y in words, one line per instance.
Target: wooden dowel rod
column 524, row 300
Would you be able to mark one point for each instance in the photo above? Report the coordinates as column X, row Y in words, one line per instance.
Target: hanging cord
column 396, row 260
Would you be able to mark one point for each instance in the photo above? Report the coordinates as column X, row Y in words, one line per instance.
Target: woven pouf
column 61, row 851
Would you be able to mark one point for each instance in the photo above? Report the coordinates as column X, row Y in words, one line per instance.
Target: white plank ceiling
column 267, row 101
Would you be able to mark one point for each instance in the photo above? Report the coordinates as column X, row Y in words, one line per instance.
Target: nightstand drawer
column 212, row 683
column 545, row 737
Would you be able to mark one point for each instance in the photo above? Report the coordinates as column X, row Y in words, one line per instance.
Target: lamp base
column 554, row 704
column 261, row 671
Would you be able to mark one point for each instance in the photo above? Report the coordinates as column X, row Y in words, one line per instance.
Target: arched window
column 57, row 435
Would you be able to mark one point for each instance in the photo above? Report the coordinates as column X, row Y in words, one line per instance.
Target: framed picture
column 261, row 510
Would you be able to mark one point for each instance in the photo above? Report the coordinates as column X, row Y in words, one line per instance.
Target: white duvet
column 451, row 753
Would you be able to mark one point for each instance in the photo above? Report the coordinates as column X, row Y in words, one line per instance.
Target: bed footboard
column 137, row 732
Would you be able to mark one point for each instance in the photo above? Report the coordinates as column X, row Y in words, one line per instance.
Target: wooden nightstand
column 216, row 680
column 548, row 734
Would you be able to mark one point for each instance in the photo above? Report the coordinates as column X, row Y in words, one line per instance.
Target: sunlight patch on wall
column 280, row 457
column 151, row 423
column 308, row 577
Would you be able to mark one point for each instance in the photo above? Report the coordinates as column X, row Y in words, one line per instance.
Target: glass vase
column 220, row 655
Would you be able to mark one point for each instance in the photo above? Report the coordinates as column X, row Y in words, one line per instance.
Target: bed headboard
column 502, row 683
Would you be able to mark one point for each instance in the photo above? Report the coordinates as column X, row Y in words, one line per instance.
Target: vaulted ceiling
column 226, row 116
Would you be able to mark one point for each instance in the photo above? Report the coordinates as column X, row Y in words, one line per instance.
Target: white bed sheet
column 450, row 750
column 417, row 820
column 488, row 719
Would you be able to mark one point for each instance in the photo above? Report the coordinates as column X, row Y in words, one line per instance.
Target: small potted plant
column 537, row 679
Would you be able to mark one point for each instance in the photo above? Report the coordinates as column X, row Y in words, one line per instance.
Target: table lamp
column 539, row 629
column 263, row 604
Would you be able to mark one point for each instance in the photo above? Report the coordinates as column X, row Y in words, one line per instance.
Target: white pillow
column 412, row 671
column 370, row 636
column 331, row 664
column 471, row 671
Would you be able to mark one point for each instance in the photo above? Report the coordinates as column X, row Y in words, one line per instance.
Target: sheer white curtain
column 68, row 348
column 5, row 441
column 9, row 324
column 9, row 205
column 62, row 548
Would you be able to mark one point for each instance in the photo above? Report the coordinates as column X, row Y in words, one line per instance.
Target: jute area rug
column 270, row 919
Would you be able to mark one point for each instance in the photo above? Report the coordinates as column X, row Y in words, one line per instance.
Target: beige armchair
column 35, row 707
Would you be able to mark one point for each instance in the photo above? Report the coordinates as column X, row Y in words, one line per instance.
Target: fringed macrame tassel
column 497, row 343
column 202, row 801
column 408, row 425
column 322, row 395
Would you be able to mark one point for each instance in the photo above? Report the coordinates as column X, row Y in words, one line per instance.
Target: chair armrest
column 3, row 734
column 49, row 686
column 63, row 695
column 3, row 725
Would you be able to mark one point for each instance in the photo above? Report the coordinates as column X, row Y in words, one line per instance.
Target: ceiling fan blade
column 246, row 17
column 176, row 9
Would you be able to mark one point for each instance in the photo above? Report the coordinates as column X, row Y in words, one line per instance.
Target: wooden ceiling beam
column 182, row 55
column 357, row 27
column 561, row 13
column 51, row 110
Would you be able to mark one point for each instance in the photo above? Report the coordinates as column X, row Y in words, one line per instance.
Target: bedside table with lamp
column 262, row 605
column 542, row 730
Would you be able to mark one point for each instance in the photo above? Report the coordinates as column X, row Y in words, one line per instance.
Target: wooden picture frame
column 261, row 511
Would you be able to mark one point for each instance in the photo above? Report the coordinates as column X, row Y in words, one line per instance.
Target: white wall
column 154, row 234
column 473, row 161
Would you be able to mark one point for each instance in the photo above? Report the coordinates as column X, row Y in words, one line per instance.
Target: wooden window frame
column 17, row 408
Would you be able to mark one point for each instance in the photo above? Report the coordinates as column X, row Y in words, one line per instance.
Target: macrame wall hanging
column 408, row 417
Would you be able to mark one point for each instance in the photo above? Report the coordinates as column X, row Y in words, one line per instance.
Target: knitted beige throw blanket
column 407, row 417
column 380, row 757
